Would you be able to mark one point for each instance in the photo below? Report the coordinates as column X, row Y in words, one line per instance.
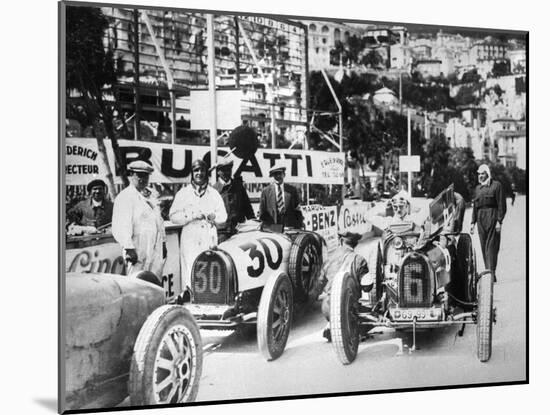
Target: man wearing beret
column 96, row 210
column 488, row 212
column 138, row 225
column 279, row 202
column 344, row 259
column 236, row 201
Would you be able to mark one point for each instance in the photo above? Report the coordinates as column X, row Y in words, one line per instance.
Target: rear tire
column 274, row 316
column 304, row 265
column 344, row 322
column 484, row 328
column 167, row 362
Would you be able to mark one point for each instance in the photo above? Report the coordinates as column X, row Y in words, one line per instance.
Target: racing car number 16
column 256, row 269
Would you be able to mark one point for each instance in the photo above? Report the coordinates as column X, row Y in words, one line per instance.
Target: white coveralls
column 138, row 224
column 196, row 235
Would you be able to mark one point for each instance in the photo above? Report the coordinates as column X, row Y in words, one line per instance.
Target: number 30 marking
column 263, row 257
column 208, row 275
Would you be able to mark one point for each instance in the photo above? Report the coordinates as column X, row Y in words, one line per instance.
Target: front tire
column 274, row 316
column 484, row 328
column 167, row 362
column 344, row 322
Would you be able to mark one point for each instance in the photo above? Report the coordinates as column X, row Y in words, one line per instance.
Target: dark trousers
column 488, row 237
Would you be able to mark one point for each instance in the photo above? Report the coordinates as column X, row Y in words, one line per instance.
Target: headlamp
column 398, row 242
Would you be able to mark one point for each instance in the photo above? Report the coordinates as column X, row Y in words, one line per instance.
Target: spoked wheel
column 274, row 316
column 304, row 265
column 167, row 362
column 484, row 326
column 344, row 321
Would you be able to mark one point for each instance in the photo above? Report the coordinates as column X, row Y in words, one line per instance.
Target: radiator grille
column 209, row 277
column 415, row 283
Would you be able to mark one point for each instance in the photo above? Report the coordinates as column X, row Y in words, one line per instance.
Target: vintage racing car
column 255, row 277
column 423, row 280
column 122, row 339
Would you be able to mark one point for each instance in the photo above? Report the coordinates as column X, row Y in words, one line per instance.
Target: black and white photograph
column 258, row 206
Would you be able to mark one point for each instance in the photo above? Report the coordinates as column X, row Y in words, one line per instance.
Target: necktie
column 280, row 201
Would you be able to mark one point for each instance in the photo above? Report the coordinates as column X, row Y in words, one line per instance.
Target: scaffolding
column 150, row 102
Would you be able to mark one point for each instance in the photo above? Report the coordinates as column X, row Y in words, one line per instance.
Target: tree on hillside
column 519, row 179
column 467, row 95
column 90, row 70
column 501, row 174
column 470, row 77
column 501, row 68
column 372, row 59
column 355, row 47
column 462, row 159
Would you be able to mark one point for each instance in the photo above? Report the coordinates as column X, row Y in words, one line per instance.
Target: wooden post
column 212, row 94
column 237, row 54
column 409, row 174
column 137, row 118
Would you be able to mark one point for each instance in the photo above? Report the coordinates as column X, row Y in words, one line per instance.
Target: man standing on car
column 236, row 201
column 343, row 259
column 279, row 202
column 96, row 210
column 199, row 208
column 488, row 213
column 138, row 225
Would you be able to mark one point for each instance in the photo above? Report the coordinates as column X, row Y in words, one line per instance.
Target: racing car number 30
column 263, row 256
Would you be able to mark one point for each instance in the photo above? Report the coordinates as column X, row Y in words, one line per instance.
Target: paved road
column 235, row 369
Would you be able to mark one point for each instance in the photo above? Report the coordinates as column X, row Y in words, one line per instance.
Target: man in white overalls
column 137, row 224
column 199, row 208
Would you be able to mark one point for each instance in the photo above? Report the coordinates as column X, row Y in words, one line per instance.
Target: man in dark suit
column 279, row 203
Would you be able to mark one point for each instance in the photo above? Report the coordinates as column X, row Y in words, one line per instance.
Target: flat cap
column 352, row 237
column 94, row 183
column 140, row 166
column 277, row 167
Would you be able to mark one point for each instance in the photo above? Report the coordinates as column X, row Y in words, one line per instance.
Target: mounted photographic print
column 266, row 206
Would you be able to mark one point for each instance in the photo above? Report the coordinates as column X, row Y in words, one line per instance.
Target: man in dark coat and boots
column 235, row 198
column 488, row 213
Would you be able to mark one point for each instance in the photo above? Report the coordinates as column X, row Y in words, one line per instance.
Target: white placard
column 355, row 218
column 409, row 163
column 228, row 109
column 324, row 221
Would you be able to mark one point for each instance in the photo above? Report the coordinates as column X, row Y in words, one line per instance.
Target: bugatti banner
column 172, row 163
